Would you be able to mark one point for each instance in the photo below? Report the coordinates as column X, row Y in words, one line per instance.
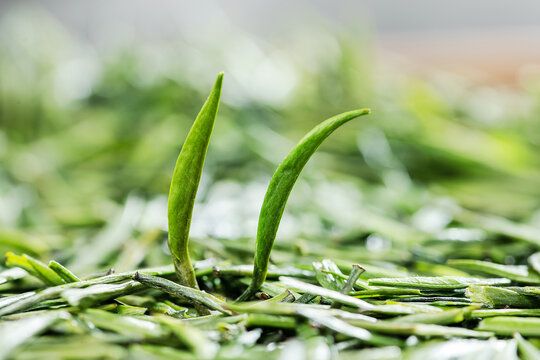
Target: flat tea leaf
column 127, row 325
column 463, row 349
column 170, row 287
column 508, row 325
column 527, row 350
column 388, row 327
column 14, row 333
column 446, row 317
column 331, row 294
column 12, row 274
column 343, row 327
column 440, row 282
column 94, row 294
column 534, row 262
column 63, row 272
column 35, row 268
column 501, row 297
column 323, row 273
column 484, row 313
column 518, row 273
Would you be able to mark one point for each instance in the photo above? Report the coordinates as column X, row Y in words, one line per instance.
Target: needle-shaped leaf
column 195, row 295
column 12, row 274
column 34, row 267
column 14, row 333
column 191, row 336
column 279, row 190
column 85, row 297
column 402, row 328
column 439, row 282
column 331, row 294
column 484, row 313
column 321, row 317
column 534, row 262
column 275, row 321
column 442, row 318
column 527, row 350
column 508, row 325
column 185, row 182
column 494, row 297
column 518, row 273
column 326, row 279
column 137, row 328
column 63, row 272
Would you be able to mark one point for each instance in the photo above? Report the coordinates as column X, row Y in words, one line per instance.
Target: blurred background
column 97, row 97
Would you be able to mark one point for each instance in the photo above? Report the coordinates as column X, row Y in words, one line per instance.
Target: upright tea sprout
column 184, row 184
column 279, row 189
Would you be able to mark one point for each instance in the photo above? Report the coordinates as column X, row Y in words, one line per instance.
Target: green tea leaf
column 388, row 327
column 63, row 272
column 491, row 349
column 191, row 336
column 100, row 293
column 34, row 267
column 331, row 294
column 13, row 260
column 279, row 190
column 185, row 182
column 484, row 313
column 534, row 262
column 501, row 297
column 499, row 225
column 14, row 333
column 379, row 353
column 518, row 273
column 323, row 318
column 356, row 271
column 12, row 274
column 18, row 303
column 527, row 350
column 446, row 317
column 397, row 308
column 272, row 321
column 131, row 326
column 508, row 325
column 170, row 287
column 440, row 282
column 384, row 292
column 323, row 273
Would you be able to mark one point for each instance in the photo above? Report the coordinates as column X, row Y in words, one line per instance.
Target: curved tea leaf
column 35, row 268
column 280, row 188
column 185, row 182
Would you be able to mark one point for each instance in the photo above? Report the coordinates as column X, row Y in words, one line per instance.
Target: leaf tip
column 219, row 80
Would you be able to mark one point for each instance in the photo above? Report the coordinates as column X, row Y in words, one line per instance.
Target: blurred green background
column 92, row 118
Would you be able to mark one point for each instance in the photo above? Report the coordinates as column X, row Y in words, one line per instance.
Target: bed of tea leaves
column 412, row 234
